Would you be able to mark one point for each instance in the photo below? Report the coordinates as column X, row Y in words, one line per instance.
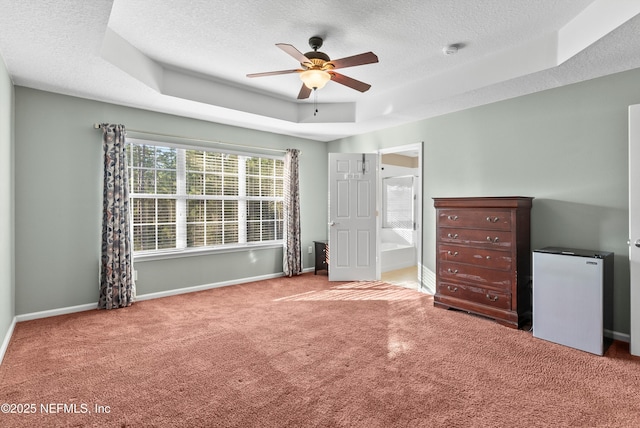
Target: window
column 187, row 198
column 398, row 202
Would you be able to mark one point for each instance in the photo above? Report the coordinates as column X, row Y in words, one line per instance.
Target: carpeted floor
column 303, row 352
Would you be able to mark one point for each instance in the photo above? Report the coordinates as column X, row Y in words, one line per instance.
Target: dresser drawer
column 475, row 256
column 480, row 295
column 460, row 272
column 476, row 219
column 494, row 239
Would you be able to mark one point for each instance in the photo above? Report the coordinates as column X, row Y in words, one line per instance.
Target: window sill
column 203, row 251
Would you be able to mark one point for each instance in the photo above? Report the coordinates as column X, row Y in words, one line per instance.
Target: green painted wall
column 58, row 201
column 567, row 147
column 7, row 283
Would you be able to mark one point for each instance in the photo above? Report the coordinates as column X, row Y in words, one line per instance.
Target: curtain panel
column 292, row 251
column 116, row 282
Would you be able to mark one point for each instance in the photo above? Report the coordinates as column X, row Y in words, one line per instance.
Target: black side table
column 322, row 256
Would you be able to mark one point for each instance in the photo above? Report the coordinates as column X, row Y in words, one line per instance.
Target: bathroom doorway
column 401, row 215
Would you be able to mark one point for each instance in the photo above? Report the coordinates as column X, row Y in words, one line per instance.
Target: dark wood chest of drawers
column 483, row 262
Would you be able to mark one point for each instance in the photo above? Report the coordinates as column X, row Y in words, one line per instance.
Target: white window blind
column 398, row 202
column 186, row 198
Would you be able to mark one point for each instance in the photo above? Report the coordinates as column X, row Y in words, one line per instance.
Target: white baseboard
column 56, row 312
column 203, row 287
column 7, row 339
column 148, row 296
column 428, row 281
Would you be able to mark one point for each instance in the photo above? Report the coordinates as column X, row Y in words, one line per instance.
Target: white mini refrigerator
column 572, row 297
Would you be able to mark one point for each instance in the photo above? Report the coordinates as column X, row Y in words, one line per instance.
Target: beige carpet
column 303, row 352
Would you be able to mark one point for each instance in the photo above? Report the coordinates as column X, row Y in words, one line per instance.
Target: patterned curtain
column 116, row 284
column 292, row 251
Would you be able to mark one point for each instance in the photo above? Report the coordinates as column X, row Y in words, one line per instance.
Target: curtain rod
column 198, row 140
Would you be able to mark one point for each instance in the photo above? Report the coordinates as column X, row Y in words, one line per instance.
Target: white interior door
column 634, row 226
column 353, row 243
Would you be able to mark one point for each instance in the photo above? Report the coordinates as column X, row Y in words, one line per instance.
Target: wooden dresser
column 483, row 259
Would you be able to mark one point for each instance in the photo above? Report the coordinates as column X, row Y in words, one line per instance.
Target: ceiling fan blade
column 350, row 61
column 273, row 73
column 299, row 56
column 304, row 92
column 350, row 82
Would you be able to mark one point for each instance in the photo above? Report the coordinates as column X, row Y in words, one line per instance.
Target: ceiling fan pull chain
column 315, row 102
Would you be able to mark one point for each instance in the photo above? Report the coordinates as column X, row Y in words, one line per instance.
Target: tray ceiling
column 191, row 57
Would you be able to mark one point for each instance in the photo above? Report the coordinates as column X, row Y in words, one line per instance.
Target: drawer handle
column 492, row 298
column 488, row 257
column 452, row 217
column 455, row 253
column 493, row 220
column 452, row 289
column 494, row 240
column 452, row 235
column 452, row 271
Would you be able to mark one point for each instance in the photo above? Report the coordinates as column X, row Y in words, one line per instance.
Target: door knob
column 332, row 223
column 637, row 243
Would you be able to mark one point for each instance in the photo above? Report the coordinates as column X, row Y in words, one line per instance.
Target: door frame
column 634, row 233
column 419, row 203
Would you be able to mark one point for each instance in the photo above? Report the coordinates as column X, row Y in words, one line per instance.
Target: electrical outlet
column 310, row 249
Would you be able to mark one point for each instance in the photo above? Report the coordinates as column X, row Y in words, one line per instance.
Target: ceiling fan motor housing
column 318, row 59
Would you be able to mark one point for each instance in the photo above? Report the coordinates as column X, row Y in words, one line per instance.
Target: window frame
column 182, row 197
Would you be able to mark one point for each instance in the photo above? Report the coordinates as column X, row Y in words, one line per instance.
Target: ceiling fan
column 317, row 68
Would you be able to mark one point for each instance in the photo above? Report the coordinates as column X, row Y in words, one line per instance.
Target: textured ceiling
column 191, row 57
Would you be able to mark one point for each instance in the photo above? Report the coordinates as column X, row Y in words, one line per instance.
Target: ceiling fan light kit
column 317, row 68
column 315, row 79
